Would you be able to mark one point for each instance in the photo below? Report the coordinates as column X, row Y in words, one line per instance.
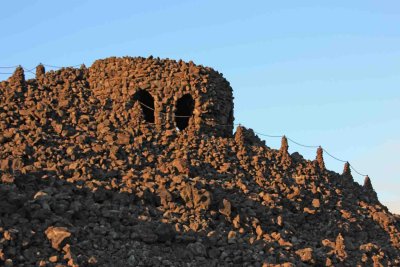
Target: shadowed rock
column 40, row 72
column 346, row 169
column 89, row 179
column 284, row 145
column 367, row 184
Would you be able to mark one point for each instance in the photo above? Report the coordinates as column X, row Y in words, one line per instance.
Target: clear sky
column 322, row 72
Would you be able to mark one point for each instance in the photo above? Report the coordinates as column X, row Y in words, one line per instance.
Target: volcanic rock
column 133, row 162
column 57, row 235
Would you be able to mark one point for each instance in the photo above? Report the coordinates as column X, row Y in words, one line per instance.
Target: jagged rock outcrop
column 90, row 182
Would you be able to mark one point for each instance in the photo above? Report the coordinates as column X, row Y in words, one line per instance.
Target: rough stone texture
column 114, row 81
column 128, row 193
column 57, row 235
column 320, row 158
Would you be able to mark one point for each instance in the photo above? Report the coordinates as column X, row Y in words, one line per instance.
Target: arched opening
column 146, row 101
column 184, row 111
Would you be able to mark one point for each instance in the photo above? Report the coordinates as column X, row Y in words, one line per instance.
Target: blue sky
column 322, row 72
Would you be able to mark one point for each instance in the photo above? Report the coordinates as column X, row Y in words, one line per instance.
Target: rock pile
column 81, row 185
column 117, row 82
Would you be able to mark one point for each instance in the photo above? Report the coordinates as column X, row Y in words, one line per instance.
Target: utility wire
column 351, row 166
column 333, row 156
column 58, row 67
column 267, row 135
column 301, row 144
column 10, row 67
column 30, row 71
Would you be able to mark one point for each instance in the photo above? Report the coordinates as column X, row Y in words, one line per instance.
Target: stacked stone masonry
column 115, row 81
column 91, row 177
column 120, row 84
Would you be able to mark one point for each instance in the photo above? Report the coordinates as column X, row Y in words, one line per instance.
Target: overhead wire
column 333, row 156
column 58, row 67
column 299, row 144
column 9, row 67
column 267, row 135
column 351, row 166
column 30, row 70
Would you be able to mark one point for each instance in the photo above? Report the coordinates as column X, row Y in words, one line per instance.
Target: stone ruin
column 94, row 172
column 166, row 94
column 181, row 94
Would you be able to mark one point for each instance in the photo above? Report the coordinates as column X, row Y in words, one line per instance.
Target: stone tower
column 172, row 94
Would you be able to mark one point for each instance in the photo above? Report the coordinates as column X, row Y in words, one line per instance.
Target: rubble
column 87, row 179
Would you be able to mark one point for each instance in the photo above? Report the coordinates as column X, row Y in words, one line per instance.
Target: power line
column 351, row 166
column 52, row 66
column 30, row 71
column 267, row 135
column 333, row 156
column 58, row 67
column 301, row 144
column 10, row 67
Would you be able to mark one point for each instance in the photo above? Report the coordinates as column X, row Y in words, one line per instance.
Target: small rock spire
column 320, row 158
column 286, row 161
column 17, row 83
column 18, row 77
column 368, row 188
column 284, row 145
column 368, row 184
column 40, row 71
column 346, row 169
column 239, row 135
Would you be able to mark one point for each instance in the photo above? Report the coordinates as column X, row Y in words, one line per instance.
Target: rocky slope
column 80, row 188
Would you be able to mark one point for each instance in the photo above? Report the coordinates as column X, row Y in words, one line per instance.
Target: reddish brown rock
column 79, row 149
column 56, row 235
column 346, row 169
column 306, row 255
column 196, row 198
column 226, row 208
column 368, row 184
column 320, row 158
column 181, row 165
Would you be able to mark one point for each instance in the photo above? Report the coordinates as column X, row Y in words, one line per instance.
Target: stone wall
column 115, row 81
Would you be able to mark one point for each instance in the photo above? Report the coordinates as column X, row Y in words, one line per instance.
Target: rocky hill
column 82, row 187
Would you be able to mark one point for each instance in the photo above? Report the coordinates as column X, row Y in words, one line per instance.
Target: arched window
column 146, row 101
column 184, row 111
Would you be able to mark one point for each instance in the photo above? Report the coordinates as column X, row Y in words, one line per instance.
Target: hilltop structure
column 94, row 172
column 171, row 94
